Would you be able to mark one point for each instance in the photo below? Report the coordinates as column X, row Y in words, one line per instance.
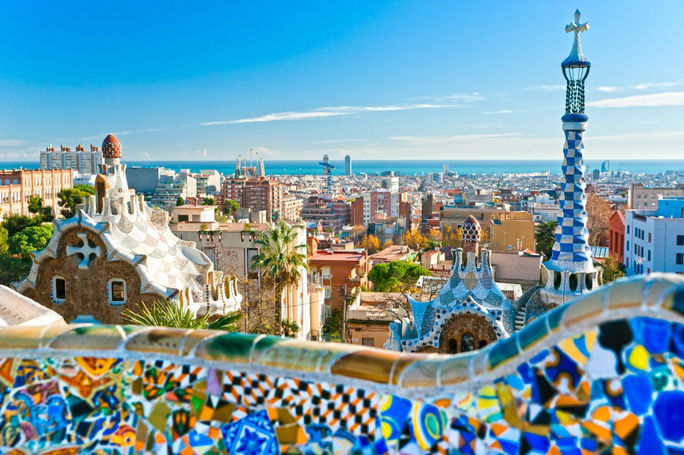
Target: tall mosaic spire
column 570, row 269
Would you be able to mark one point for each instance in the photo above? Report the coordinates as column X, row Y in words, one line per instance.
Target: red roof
column 326, row 256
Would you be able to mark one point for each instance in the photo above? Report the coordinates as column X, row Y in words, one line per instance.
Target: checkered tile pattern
column 572, row 236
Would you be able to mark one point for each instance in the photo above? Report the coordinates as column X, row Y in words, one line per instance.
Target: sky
column 178, row 80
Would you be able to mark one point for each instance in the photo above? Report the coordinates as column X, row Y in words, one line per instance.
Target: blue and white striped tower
column 571, row 270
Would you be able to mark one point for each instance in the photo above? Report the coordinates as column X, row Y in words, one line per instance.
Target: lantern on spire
column 575, row 68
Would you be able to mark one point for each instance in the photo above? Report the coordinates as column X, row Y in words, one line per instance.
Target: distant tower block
column 327, row 172
column 347, row 166
column 571, row 270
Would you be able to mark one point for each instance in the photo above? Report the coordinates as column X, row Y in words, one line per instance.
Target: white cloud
column 546, row 88
column 11, row 142
column 440, row 140
column 332, row 111
column 650, row 100
column 456, row 97
column 339, row 141
column 500, row 111
column 643, row 87
column 653, row 135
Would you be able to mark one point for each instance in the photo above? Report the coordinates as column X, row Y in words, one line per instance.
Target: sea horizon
column 401, row 167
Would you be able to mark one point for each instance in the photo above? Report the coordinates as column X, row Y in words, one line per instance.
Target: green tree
column 208, row 201
column 69, row 198
column 42, row 213
column 231, row 206
column 545, row 237
column 16, row 248
column 17, row 223
column 163, row 313
column 333, row 326
column 290, row 328
column 280, row 260
column 180, row 201
column 32, row 238
column 4, row 245
column 396, row 276
column 85, row 189
column 612, row 269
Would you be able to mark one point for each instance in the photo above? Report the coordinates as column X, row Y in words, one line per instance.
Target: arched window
column 467, row 342
column 453, row 346
column 588, row 281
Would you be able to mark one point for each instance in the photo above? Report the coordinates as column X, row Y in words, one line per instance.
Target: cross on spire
column 578, row 28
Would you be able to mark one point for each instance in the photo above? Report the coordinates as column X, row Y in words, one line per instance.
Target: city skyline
column 374, row 81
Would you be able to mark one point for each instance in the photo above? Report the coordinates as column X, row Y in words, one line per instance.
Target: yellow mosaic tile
column 92, row 337
column 590, row 308
column 372, row 365
column 21, row 337
column 422, row 372
column 624, row 294
column 157, row 339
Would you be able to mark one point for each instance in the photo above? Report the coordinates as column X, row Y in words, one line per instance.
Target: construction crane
column 327, row 171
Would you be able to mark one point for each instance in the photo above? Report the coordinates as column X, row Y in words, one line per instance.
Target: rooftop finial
column 576, row 58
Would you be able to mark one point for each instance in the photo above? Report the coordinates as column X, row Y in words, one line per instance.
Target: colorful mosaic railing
column 603, row 374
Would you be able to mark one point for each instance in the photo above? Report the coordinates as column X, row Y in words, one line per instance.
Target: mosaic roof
column 111, row 147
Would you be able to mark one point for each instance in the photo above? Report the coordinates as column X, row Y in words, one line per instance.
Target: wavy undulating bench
column 604, row 373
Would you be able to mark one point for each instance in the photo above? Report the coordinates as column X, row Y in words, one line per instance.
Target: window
column 680, row 258
column 467, row 342
column 628, row 245
column 117, row 292
column 368, row 341
column 649, row 255
column 680, row 240
column 628, row 229
column 58, row 289
column 649, row 237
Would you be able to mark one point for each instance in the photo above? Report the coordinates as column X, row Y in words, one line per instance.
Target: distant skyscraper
column 605, row 166
column 347, row 166
column 327, row 172
column 445, row 169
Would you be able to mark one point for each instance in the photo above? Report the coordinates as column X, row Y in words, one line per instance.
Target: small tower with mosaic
column 571, row 271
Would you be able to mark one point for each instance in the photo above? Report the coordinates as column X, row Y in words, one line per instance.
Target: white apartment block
column 654, row 239
column 79, row 160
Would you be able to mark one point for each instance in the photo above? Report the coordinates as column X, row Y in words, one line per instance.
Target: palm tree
column 281, row 261
column 163, row 313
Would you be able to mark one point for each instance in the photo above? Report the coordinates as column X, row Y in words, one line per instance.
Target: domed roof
column 111, row 147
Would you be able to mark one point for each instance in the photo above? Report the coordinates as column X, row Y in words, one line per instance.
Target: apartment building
column 654, row 239
column 18, row 185
column 80, row 160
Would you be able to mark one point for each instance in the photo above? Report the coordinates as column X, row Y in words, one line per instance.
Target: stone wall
column 86, row 289
column 602, row 374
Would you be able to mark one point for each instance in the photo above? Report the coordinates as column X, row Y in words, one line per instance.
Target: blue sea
column 407, row 167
